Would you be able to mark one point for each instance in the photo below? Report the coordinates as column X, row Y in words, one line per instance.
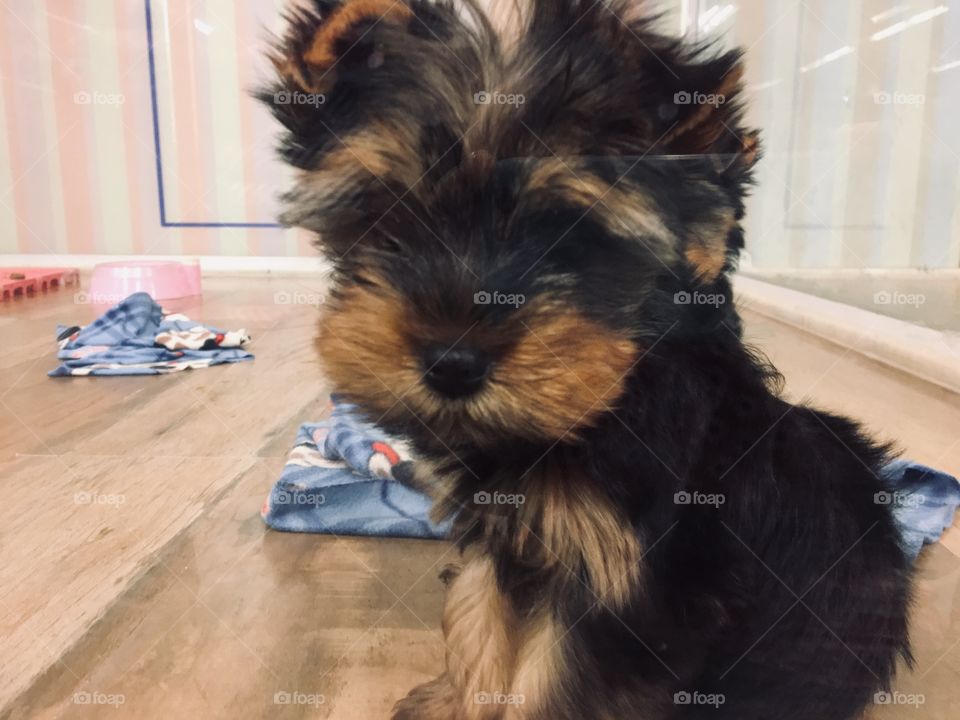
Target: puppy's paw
column 434, row 700
column 406, row 710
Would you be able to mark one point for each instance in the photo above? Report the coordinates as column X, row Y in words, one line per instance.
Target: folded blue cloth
column 136, row 337
column 924, row 501
column 342, row 477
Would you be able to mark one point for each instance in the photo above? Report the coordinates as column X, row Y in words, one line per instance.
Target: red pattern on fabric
column 388, row 451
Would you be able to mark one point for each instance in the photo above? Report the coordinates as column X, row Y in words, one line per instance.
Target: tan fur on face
column 620, row 207
column 563, row 373
column 707, row 248
column 750, row 148
column 380, row 150
column 364, row 349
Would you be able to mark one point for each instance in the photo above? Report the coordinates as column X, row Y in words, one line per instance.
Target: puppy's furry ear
column 601, row 82
column 707, row 123
column 600, row 79
column 707, row 127
column 374, row 96
column 319, row 37
column 707, row 113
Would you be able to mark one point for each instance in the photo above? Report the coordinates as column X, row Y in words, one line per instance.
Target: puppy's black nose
column 455, row 372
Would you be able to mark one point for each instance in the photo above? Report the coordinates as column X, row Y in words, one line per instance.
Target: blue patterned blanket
column 136, row 337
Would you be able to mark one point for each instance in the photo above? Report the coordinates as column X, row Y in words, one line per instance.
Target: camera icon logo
column 682, row 98
column 482, row 98
column 883, row 498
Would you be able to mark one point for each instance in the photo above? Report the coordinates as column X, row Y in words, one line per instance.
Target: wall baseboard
column 221, row 264
column 772, row 274
column 932, row 355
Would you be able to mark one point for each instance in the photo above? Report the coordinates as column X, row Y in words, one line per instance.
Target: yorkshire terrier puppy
column 531, row 226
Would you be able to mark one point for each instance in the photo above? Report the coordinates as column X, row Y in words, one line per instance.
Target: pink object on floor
column 162, row 280
column 24, row 281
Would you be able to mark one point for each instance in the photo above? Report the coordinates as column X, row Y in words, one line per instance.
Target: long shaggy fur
column 649, row 530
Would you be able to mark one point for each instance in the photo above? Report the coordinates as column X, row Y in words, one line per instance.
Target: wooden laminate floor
column 137, row 579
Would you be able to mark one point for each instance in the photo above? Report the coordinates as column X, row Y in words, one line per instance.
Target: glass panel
column 857, row 193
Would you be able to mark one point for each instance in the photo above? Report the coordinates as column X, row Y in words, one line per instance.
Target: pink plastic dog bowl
column 114, row 281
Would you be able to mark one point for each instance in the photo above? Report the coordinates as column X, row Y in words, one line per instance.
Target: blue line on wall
column 158, row 152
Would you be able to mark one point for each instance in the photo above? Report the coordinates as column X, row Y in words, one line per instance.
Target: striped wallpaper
column 79, row 153
column 108, row 148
